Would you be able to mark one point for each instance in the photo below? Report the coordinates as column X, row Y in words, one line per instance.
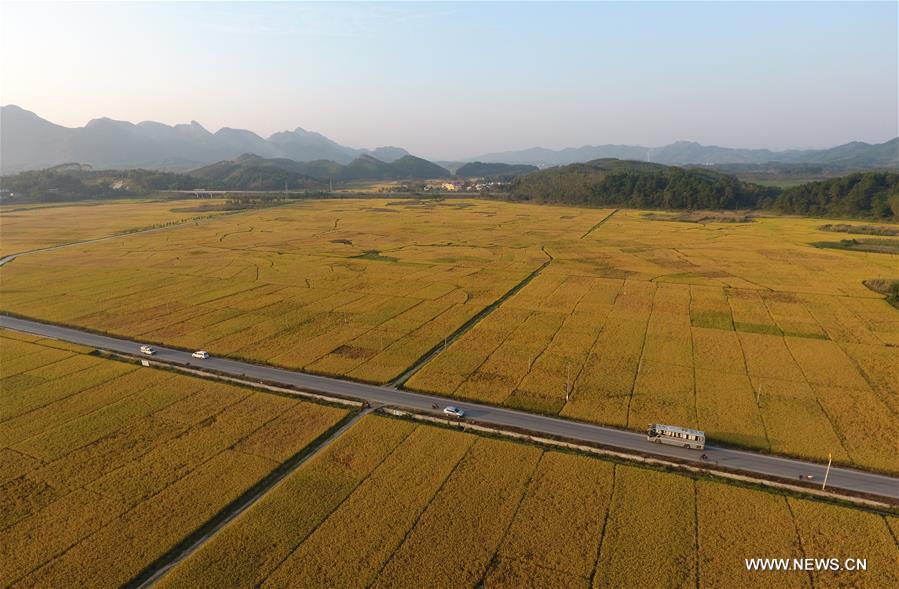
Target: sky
column 453, row 80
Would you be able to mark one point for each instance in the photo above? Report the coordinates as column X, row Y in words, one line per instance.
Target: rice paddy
column 31, row 227
column 397, row 504
column 744, row 330
column 104, row 466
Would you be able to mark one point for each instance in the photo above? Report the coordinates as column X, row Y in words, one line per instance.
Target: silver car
column 454, row 412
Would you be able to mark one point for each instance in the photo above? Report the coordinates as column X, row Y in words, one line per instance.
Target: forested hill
column 603, row 182
column 491, row 170
column 366, row 167
column 632, row 184
column 869, row 194
column 250, row 172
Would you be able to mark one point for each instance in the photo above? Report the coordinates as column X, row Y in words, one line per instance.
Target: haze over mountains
column 28, row 142
column 854, row 154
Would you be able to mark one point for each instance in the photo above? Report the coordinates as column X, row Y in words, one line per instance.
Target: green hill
column 614, row 182
column 493, row 170
column 407, row 167
column 251, row 172
column 410, row 167
column 868, row 194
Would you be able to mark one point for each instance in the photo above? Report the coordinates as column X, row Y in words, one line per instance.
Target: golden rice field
column 104, row 466
column 25, row 228
column 741, row 329
column 355, row 288
column 393, row 503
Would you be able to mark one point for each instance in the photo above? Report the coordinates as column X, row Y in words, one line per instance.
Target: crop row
column 648, row 353
column 104, row 469
column 426, row 506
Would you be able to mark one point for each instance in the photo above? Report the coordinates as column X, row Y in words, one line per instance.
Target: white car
column 454, row 411
column 200, row 354
column 147, row 350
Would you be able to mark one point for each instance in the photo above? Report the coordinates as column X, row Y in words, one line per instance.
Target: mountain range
column 850, row 155
column 28, row 142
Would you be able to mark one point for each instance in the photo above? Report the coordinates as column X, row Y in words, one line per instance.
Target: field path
column 429, row 355
column 124, row 233
column 158, row 569
column 599, row 224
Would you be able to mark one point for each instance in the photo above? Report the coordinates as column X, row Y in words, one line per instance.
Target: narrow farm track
column 429, row 355
column 158, row 569
column 599, row 224
column 749, row 463
column 9, row 258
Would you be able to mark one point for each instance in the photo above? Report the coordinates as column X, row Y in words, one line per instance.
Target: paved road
column 761, row 464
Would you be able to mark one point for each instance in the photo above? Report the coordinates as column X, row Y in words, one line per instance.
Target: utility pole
column 567, row 381
column 827, row 472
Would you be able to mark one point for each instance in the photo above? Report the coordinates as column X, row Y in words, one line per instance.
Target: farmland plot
column 104, row 466
column 315, row 286
column 744, row 330
column 30, row 228
column 397, row 504
column 704, row 326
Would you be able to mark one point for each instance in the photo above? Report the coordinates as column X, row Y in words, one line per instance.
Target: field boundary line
column 194, row 541
column 635, row 457
column 599, row 223
column 502, row 539
column 465, row 327
column 838, row 434
column 414, row 525
column 337, row 507
column 537, row 357
column 697, row 562
column 124, row 233
column 811, row 577
column 597, row 562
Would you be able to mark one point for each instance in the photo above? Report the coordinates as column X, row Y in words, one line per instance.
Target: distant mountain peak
column 30, row 142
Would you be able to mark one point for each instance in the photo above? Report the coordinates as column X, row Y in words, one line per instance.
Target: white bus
column 676, row 436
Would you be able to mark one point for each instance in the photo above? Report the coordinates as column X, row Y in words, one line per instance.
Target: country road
column 750, row 462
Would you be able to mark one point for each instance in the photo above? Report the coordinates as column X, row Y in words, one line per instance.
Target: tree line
column 605, row 182
column 654, row 186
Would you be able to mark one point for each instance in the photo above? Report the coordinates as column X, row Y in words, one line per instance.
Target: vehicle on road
column 454, row 411
column 202, row 355
column 674, row 435
column 147, row 350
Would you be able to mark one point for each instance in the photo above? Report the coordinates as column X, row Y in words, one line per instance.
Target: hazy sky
column 449, row 80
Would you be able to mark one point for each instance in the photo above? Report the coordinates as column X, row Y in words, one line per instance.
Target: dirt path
column 398, row 381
